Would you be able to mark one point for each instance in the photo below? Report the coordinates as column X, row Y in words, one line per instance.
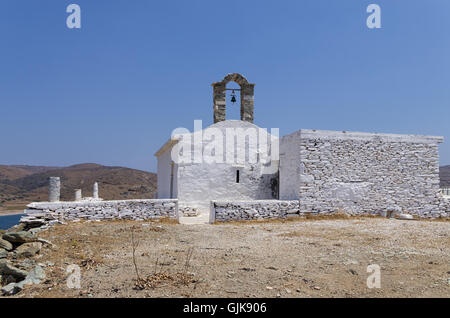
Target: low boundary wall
column 223, row 211
column 55, row 212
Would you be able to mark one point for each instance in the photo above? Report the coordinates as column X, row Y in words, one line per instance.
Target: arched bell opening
column 246, row 97
column 233, row 101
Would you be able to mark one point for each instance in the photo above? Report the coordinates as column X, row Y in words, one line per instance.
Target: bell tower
column 247, row 97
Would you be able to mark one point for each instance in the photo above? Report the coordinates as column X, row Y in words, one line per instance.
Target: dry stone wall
column 362, row 173
column 50, row 213
column 223, row 211
column 445, row 203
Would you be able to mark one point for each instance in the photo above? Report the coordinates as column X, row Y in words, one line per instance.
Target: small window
column 237, row 176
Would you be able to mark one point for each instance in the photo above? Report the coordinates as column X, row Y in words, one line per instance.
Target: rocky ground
column 18, row 269
column 301, row 258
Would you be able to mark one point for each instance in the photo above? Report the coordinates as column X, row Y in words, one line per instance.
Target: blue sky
column 113, row 91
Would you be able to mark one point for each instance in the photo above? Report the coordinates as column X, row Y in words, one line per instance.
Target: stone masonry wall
column 49, row 213
column 362, row 173
column 445, row 202
column 223, row 211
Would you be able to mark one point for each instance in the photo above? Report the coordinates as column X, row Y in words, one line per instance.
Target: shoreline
column 5, row 213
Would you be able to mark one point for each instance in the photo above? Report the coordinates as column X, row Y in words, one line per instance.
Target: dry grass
column 163, row 220
column 75, row 247
column 89, row 263
column 15, row 207
column 316, row 217
column 164, row 279
column 436, row 220
column 88, row 248
column 265, row 221
column 160, row 277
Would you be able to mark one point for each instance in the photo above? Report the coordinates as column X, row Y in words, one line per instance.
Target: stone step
column 201, row 219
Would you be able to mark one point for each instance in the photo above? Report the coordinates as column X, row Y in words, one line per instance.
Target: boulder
column 35, row 276
column 3, row 253
column 5, row 245
column 46, row 242
column 27, row 264
column 17, row 228
column 28, row 249
column 393, row 211
column 405, row 217
column 35, row 230
column 32, row 222
column 11, row 289
column 8, row 269
column 19, row 237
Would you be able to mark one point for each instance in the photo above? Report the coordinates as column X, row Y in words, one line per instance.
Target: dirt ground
column 302, row 258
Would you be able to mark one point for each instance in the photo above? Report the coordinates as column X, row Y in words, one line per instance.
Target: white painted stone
column 405, row 217
column 95, row 191
column 54, row 189
column 78, row 195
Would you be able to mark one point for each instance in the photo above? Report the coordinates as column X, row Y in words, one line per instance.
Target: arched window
column 233, row 92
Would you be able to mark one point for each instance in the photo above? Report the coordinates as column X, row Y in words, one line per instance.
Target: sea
column 6, row 221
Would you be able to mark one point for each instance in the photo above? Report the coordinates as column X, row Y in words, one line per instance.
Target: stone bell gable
column 247, row 97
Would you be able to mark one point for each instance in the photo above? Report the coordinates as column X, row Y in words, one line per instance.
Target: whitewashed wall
column 199, row 183
column 164, row 176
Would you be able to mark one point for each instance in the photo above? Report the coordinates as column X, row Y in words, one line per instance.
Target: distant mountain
column 20, row 185
column 11, row 173
column 444, row 173
column 35, row 169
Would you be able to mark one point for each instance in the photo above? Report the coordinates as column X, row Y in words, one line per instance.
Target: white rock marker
column 78, row 195
column 54, row 189
column 95, row 194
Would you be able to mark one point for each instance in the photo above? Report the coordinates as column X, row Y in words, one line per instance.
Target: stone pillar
column 219, row 99
column 95, row 194
column 54, row 189
column 247, row 102
column 78, row 195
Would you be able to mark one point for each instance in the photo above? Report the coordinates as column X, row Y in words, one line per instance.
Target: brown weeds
column 161, row 278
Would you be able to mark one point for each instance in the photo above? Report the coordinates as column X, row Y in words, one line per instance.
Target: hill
column 444, row 173
column 20, row 185
column 8, row 173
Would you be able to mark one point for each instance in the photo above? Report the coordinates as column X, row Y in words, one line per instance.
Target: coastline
column 4, row 213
